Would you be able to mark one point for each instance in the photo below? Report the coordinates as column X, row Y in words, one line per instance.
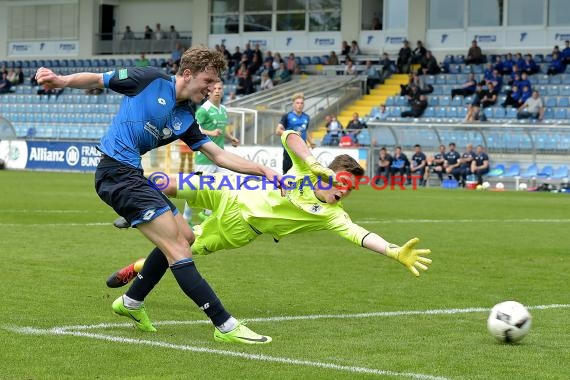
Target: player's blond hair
column 298, row 95
column 345, row 163
column 200, row 58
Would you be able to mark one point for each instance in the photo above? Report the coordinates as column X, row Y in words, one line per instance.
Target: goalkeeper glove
column 321, row 171
column 410, row 257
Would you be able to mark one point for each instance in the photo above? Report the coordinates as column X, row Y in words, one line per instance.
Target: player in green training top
column 213, row 120
column 241, row 215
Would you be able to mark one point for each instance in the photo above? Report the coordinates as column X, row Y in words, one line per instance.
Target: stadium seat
column 563, row 102
column 561, row 172
column 546, row 172
column 457, row 101
column 531, row 171
column 364, row 137
column 497, row 171
column 498, row 112
column 513, row 171
column 560, row 114
column 445, row 101
column 550, row 102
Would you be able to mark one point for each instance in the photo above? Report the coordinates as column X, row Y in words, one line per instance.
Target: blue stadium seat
column 531, row 171
column 550, row 102
column 561, row 172
column 429, row 112
column 560, row 114
column 441, row 112
column 552, row 91
column 565, row 90
column 546, row 172
column 434, row 101
column 498, row 112
column 563, row 102
column 452, row 112
column 445, row 101
column 364, row 137
column 390, row 101
column 513, row 171
column 549, row 113
column 457, row 101
column 555, row 79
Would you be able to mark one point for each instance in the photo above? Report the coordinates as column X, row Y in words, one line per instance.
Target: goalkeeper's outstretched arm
column 407, row 255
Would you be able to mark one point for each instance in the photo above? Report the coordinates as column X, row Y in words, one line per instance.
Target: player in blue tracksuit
column 295, row 120
column 155, row 111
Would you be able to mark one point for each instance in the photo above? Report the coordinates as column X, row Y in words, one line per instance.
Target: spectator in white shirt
column 532, row 108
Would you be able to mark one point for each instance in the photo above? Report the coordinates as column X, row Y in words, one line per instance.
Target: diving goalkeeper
column 240, row 216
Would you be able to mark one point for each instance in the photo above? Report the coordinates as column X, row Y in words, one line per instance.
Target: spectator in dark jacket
column 474, row 55
column 418, row 107
column 404, row 58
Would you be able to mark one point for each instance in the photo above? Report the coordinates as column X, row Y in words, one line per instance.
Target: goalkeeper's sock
column 154, row 268
column 130, row 303
column 197, row 289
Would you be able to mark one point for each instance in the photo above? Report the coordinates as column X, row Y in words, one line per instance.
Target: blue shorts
column 128, row 192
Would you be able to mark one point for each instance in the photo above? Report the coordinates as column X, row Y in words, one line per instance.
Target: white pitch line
column 510, row 221
column 244, row 355
column 285, row 318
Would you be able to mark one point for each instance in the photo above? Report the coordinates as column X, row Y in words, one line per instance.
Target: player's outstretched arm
column 407, row 255
column 299, row 147
column 49, row 80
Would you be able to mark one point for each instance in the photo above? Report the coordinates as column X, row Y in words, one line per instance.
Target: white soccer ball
column 486, row 185
column 499, row 186
column 523, row 186
column 509, row 321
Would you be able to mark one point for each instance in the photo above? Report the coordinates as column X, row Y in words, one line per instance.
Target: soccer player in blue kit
column 155, row 111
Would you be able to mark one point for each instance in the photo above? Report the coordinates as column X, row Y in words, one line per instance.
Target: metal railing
column 115, row 43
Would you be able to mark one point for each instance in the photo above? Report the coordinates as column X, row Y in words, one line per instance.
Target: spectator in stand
column 258, row 53
column 376, row 24
column 236, row 57
column 226, row 53
column 142, row 61
column 344, row 49
column 418, row 164
column 291, row 63
column 5, row 84
column 557, row 65
column 158, row 33
column 266, row 82
column 435, row 164
column 418, row 106
column 177, row 52
column 245, row 84
column 467, row 88
column 268, row 57
column 333, row 59
column 400, row 163
column 507, row 65
column 404, row 58
column 20, row 75
column 354, row 126
column 565, row 54
column 473, row 110
column 354, row 49
column 451, row 162
column 418, row 53
column 277, row 60
column 532, row 108
column 384, row 164
column 429, row 65
column 334, row 129
column 388, row 66
column 254, row 65
column 488, row 71
column 474, row 55
column 419, row 82
column 498, row 64
column 497, row 79
column 282, row 75
column 248, row 51
column 148, row 33
column 529, row 66
column 12, row 77
column 519, row 60
column 128, row 34
column 515, row 75
column 349, row 68
column 373, row 77
column 480, row 164
column 526, row 93
column 173, row 34
column 513, row 97
column 378, row 114
column 523, row 81
column 267, row 68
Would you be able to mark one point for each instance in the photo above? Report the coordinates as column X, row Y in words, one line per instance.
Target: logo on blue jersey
column 444, row 37
column 166, row 133
column 161, row 101
column 152, row 130
column 176, row 124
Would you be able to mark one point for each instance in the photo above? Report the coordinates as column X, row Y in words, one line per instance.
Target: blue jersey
column 467, row 158
column 149, row 116
column 481, row 158
column 418, row 158
column 452, row 157
column 298, row 123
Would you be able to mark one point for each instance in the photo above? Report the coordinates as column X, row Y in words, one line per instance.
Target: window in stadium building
column 396, row 14
column 258, row 15
column 51, row 21
column 558, row 14
column 224, row 16
column 526, row 12
column 372, row 15
column 446, row 14
column 291, row 15
column 485, row 12
column 324, row 15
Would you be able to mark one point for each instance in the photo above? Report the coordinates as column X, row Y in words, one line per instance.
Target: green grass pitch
column 57, row 246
